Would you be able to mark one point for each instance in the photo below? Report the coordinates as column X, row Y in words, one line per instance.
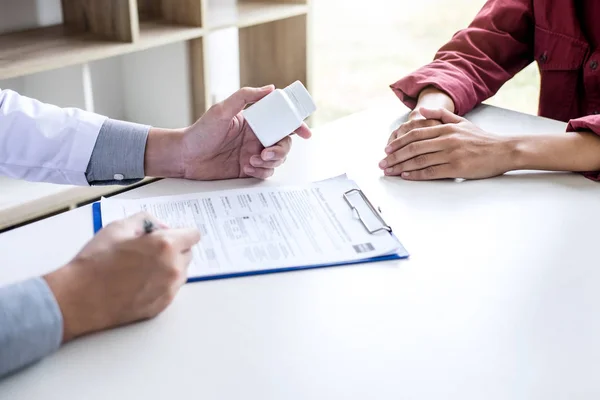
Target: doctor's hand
column 220, row 145
column 121, row 276
column 455, row 149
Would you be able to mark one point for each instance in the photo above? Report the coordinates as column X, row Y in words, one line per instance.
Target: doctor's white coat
column 42, row 142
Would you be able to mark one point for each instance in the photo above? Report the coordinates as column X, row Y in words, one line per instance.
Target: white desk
column 499, row 300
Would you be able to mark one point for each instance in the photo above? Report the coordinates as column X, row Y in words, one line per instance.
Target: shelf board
column 43, row 49
column 245, row 14
column 156, row 33
column 22, row 201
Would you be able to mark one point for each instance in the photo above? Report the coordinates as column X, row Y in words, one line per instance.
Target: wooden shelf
column 273, row 49
column 24, row 201
column 156, row 33
column 43, row 49
column 249, row 14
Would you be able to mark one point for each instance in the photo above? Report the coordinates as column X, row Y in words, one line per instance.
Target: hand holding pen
column 136, row 280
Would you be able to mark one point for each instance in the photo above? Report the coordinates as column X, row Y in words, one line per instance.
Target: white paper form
column 265, row 228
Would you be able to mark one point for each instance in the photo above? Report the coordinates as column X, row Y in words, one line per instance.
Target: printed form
column 267, row 227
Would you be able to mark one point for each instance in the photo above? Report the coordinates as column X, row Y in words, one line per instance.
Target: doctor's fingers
column 258, row 162
column 171, row 242
column 259, row 173
column 304, row 131
column 133, row 225
column 278, row 151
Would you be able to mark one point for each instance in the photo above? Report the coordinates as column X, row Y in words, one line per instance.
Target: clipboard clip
column 384, row 225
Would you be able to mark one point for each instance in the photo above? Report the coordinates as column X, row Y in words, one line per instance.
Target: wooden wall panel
column 149, row 9
column 198, row 77
column 178, row 12
column 183, row 12
column 276, row 1
column 113, row 19
column 274, row 53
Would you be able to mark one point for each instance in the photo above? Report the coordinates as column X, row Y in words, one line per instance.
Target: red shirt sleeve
column 588, row 123
column 478, row 60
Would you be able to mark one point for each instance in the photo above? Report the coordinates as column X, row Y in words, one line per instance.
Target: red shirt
column 588, row 11
column 505, row 37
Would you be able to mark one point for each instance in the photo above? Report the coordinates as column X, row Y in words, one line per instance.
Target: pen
column 148, row 226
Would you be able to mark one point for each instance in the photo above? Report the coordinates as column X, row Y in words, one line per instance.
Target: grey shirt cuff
column 31, row 324
column 118, row 156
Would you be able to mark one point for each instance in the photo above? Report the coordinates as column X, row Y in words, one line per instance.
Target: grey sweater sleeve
column 31, row 324
column 118, row 155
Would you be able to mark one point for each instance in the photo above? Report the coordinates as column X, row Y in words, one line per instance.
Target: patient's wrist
column 433, row 98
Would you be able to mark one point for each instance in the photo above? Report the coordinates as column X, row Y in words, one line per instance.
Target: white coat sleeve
column 42, row 142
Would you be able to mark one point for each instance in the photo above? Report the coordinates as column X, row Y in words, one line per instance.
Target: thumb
column 235, row 103
column 441, row 114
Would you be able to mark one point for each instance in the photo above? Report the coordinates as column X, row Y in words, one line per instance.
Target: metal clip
column 384, row 227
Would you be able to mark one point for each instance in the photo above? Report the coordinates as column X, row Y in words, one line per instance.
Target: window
column 361, row 47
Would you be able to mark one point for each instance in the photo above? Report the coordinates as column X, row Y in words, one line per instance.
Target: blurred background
column 164, row 62
column 360, row 50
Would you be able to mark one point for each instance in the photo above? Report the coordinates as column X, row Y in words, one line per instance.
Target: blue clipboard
column 401, row 254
